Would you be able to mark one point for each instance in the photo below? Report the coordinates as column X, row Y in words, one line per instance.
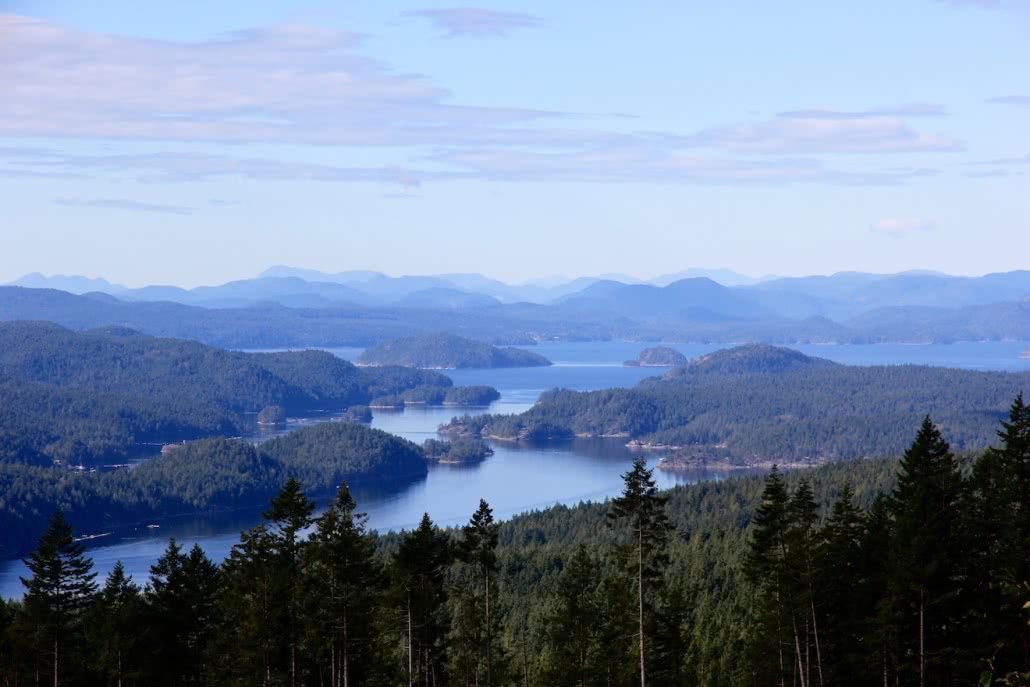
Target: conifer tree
column 114, row 629
column 57, row 594
column 181, row 599
column 288, row 516
column 573, row 624
column 343, row 585
column 926, row 550
column 642, row 509
column 479, row 551
column 419, row 590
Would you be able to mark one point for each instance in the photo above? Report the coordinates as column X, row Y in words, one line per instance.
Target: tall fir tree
column 925, row 556
column 641, row 509
column 344, row 590
column 181, row 599
column 479, row 552
column 419, row 590
column 58, row 592
column 114, row 637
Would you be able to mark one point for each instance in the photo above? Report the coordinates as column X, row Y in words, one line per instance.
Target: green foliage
column 89, row 398
column 447, row 351
column 759, row 404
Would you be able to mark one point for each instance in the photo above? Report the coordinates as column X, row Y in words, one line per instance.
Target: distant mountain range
column 286, row 306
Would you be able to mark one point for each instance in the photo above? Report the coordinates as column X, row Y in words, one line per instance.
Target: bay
column 517, row 478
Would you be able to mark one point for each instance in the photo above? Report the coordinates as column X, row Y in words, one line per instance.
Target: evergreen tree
column 479, row 552
column 419, row 589
column 925, row 556
column 767, row 568
column 58, row 593
column 842, row 589
column 642, row 509
column 803, row 514
column 181, row 604
column 344, row 590
column 288, row 516
column 114, row 629
column 573, row 624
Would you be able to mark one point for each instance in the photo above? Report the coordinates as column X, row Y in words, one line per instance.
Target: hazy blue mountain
column 678, row 298
column 720, row 276
column 438, row 297
column 70, row 283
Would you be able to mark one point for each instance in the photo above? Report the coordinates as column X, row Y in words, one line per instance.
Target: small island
column 359, row 414
column 658, row 356
column 447, row 352
column 456, row 452
column 272, row 416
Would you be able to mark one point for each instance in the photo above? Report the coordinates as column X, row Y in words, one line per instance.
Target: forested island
column 853, row 574
column 447, row 352
column 212, row 475
column 657, row 356
column 758, row 404
column 85, row 399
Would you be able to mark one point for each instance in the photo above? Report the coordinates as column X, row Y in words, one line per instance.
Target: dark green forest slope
column 447, row 351
column 759, row 404
column 84, row 398
column 201, row 476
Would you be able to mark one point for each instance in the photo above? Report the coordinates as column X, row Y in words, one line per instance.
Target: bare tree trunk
column 55, row 663
column 119, row 666
column 489, row 637
column 640, row 598
column 818, row 653
column 346, row 658
column 797, row 648
column 922, row 655
column 410, row 647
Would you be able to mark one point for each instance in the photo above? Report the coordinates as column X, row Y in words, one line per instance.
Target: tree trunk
column 922, row 655
column 346, row 658
column 489, row 646
column 410, row 647
column 818, row 653
column 55, row 664
column 640, row 598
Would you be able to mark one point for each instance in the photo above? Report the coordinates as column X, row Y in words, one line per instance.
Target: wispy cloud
column 459, row 22
column 124, row 204
column 820, row 131
column 1011, row 100
column 302, row 85
column 899, row 227
column 904, row 110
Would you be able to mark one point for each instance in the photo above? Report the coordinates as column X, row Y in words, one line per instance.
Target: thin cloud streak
column 124, row 204
column 476, row 22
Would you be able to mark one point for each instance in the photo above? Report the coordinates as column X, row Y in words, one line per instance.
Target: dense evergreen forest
column 88, row 398
column 898, row 572
column 447, row 351
column 209, row 475
column 757, row 404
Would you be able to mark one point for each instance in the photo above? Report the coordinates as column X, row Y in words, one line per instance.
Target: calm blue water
column 516, row 478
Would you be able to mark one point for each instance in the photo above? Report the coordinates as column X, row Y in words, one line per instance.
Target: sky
column 195, row 142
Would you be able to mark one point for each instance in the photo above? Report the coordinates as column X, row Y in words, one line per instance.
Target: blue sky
column 195, row 142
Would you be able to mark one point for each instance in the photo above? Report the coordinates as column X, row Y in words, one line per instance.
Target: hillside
column 84, row 398
column 447, row 351
column 206, row 475
column 761, row 404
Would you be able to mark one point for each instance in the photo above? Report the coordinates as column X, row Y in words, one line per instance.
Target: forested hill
column 447, row 351
column 201, row 476
column 82, row 397
column 759, row 404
